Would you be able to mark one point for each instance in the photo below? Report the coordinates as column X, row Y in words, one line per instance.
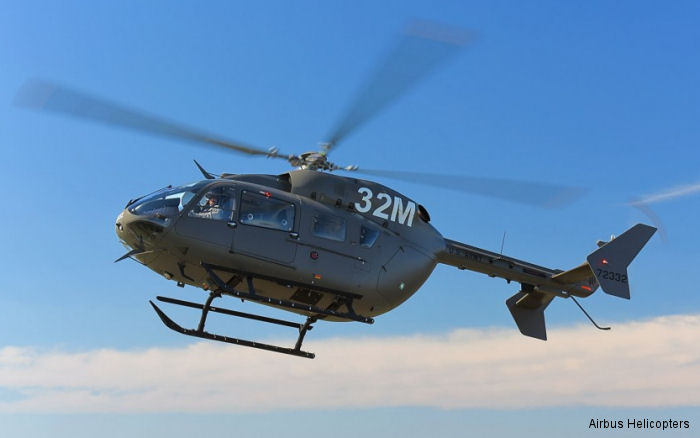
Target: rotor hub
column 314, row 161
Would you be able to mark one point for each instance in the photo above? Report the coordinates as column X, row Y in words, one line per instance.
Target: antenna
column 503, row 241
column 589, row 316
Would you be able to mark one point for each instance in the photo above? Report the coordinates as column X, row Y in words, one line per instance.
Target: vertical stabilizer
column 609, row 262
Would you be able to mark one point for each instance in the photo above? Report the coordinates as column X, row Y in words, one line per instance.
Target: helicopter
column 320, row 245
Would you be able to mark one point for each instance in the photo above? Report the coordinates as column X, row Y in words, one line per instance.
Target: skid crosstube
column 200, row 333
column 252, row 296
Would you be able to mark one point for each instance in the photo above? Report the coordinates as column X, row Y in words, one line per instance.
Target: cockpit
column 166, row 203
column 218, row 202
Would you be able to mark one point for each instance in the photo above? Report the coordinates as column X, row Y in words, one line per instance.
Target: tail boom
column 544, row 280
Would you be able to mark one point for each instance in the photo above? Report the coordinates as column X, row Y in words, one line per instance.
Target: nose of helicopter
column 122, row 227
column 119, row 226
column 125, row 232
column 140, row 232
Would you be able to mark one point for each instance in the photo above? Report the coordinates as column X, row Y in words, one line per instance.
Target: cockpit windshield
column 166, row 202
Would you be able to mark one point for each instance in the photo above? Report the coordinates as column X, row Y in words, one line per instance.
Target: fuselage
column 304, row 236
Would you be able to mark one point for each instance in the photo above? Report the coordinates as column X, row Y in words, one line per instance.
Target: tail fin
column 609, row 262
column 527, row 308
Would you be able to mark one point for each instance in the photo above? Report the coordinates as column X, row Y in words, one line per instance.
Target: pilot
column 212, row 202
column 210, row 209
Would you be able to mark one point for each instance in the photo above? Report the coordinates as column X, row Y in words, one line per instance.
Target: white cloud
column 669, row 194
column 646, row 363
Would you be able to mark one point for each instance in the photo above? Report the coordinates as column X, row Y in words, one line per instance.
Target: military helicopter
column 328, row 247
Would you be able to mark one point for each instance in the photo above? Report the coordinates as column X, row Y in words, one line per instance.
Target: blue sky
column 599, row 95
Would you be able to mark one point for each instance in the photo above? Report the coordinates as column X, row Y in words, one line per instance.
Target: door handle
column 232, row 224
column 294, row 235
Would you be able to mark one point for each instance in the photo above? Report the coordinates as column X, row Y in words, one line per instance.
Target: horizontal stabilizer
column 609, row 262
column 527, row 308
column 576, row 275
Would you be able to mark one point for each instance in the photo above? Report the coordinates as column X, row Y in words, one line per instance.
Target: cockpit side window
column 368, row 236
column 262, row 210
column 218, row 203
column 328, row 226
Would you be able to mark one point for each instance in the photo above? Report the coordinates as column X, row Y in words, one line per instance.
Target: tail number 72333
column 391, row 208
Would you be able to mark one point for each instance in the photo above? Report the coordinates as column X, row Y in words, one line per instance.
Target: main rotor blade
column 524, row 192
column 418, row 53
column 43, row 95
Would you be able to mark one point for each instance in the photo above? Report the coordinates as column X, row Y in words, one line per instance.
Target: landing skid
column 225, row 288
column 200, row 333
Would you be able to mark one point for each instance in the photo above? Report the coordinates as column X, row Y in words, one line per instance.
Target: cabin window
column 217, row 203
column 368, row 236
column 329, row 227
column 261, row 210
